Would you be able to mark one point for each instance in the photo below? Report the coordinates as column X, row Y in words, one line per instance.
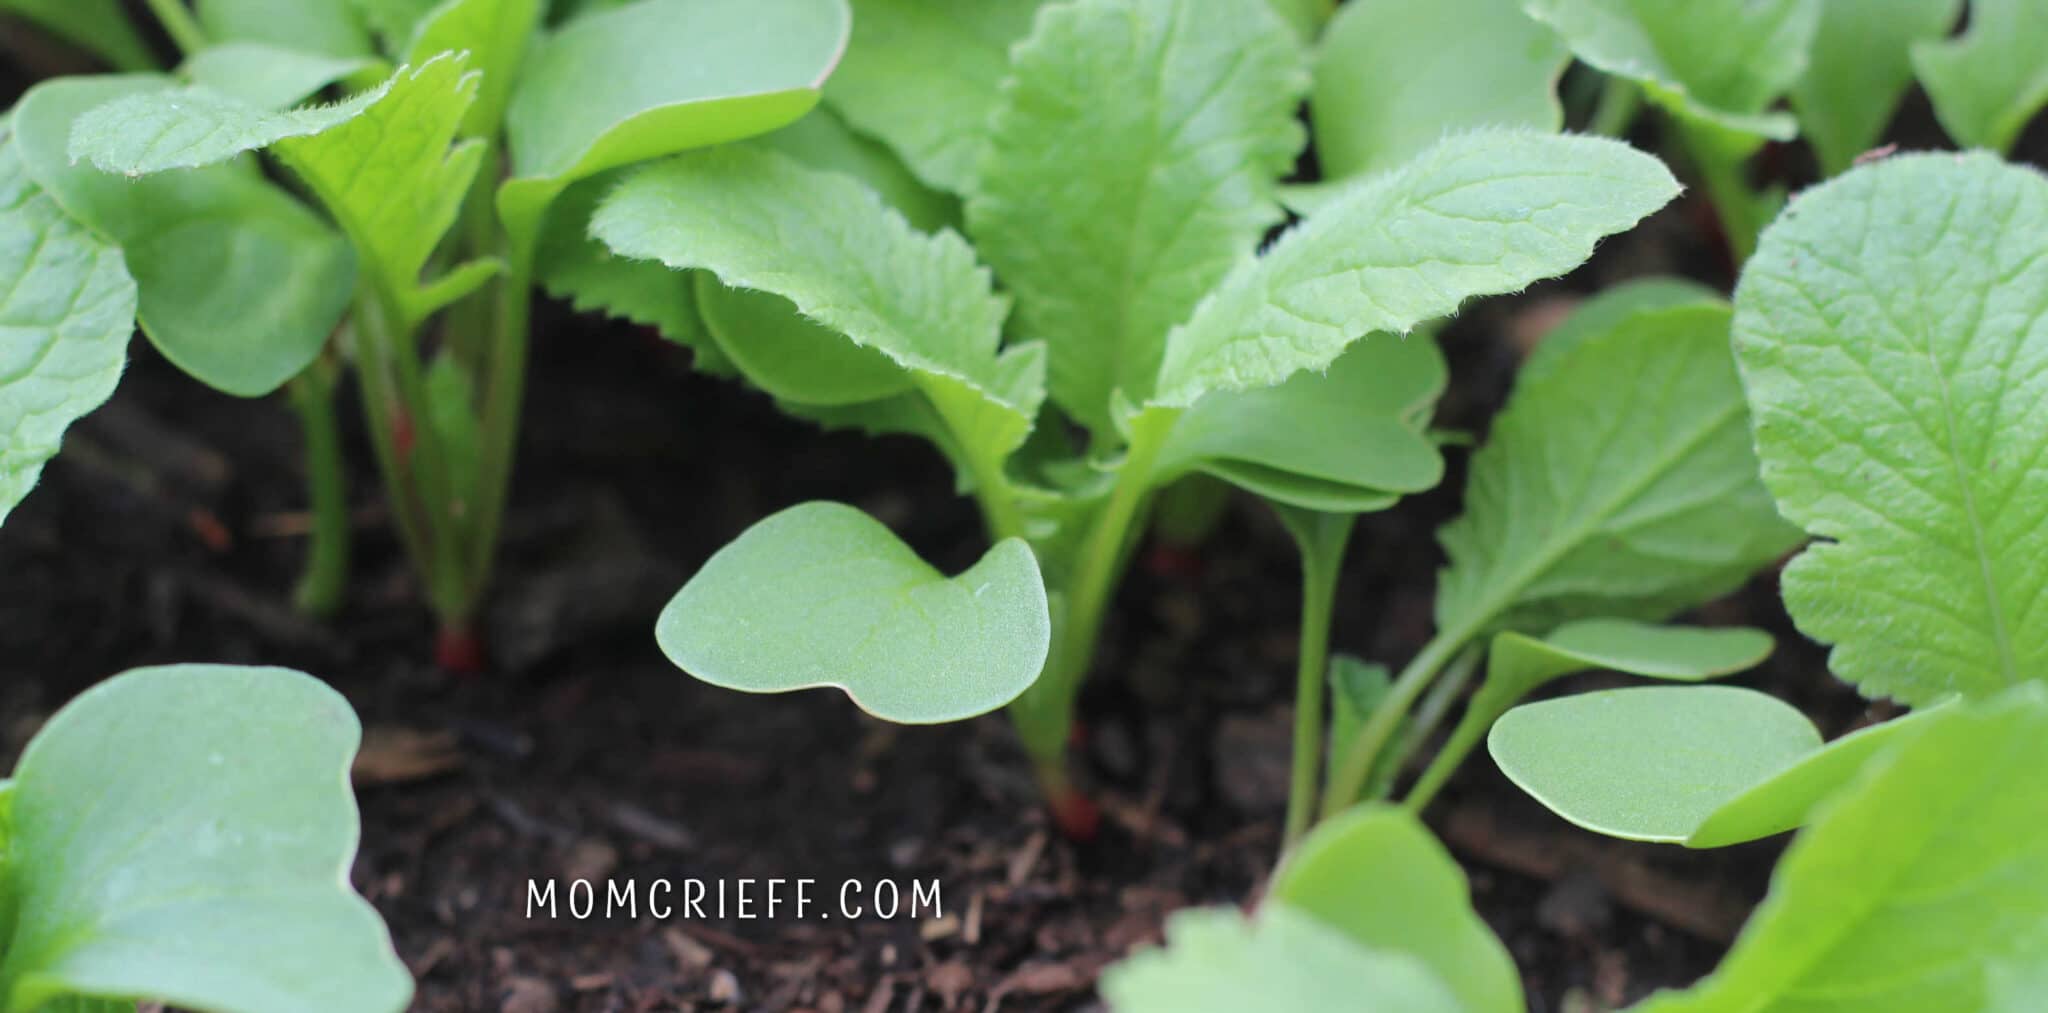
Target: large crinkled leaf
column 68, row 311
column 924, row 77
column 1860, row 66
column 821, row 594
column 656, row 77
column 1720, row 62
column 321, row 26
column 759, row 220
column 1987, row 84
column 822, row 140
column 1618, row 482
column 100, row 26
column 1132, row 161
column 1478, row 214
column 391, row 179
column 496, row 34
column 1376, row 875
column 1648, row 763
column 238, row 284
column 1354, row 437
column 1218, row 961
column 1392, row 77
column 266, row 76
column 157, row 129
column 1912, row 886
column 1893, row 335
column 184, row 833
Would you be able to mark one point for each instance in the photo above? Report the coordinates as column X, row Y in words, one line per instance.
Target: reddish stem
column 459, row 651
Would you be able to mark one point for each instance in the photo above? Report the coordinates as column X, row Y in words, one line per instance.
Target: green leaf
column 69, row 309
column 184, row 833
column 1185, row 113
column 99, row 26
column 391, row 179
column 1861, row 65
column 1348, row 440
column 1305, row 17
column 1911, row 886
column 1217, row 961
column 155, row 129
column 1478, row 214
column 822, row 140
column 496, row 34
column 1392, row 78
column 1785, row 799
column 656, row 77
column 790, row 356
column 925, row 78
column 1987, row 84
column 239, row 285
column 1893, row 335
column 1648, row 763
column 321, row 26
column 827, row 244
column 266, row 76
column 1356, row 688
column 1377, row 875
column 1618, row 482
column 1715, row 62
column 1606, row 311
column 821, row 594
column 395, row 21
column 453, row 415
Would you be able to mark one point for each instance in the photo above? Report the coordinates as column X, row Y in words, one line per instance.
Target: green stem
column 1620, row 99
column 326, row 576
column 179, row 24
column 1471, row 728
column 1319, row 575
column 498, row 438
column 1356, row 772
column 1722, row 172
column 1045, row 712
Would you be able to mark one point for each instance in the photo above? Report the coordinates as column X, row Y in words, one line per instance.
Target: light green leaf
column 1305, row 17
column 152, row 130
column 99, row 26
column 1392, row 77
column 924, row 77
column 1785, row 799
column 1351, row 439
column 395, row 21
column 1478, row 214
column 1606, row 311
column 69, row 309
column 391, row 179
column 321, row 26
column 1618, row 482
column 1910, row 887
column 1989, row 83
column 1376, row 875
column 265, row 76
column 1717, row 62
column 1648, row 763
column 824, row 242
column 1356, row 688
column 1184, row 114
column 822, row 140
column 1860, row 66
column 1217, row 961
column 496, row 34
column 821, row 594
column 789, row 355
column 184, row 833
column 656, row 77
column 1893, row 335
column 452, row 412
column 239, row 284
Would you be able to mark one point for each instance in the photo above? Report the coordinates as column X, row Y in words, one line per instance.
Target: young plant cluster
column 1075, row 245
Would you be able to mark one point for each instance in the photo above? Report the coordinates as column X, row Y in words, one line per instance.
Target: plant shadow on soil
column 168, row 531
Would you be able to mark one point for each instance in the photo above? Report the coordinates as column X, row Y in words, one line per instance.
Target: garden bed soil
column 170, row 531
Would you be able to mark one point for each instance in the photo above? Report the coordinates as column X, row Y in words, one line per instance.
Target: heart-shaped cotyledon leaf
column 184, row 834
column 821, row 594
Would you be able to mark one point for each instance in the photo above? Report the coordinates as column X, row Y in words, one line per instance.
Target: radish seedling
column 435, row 181
column 1120, row 201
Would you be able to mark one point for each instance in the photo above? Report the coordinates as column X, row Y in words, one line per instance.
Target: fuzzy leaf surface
column 925, row 77
column 1618, row 482
column 1893, row 335
column 821, row 594
column 183, row 128
column 1987, row 84
column 1913, row 886
column 1182, row 116
column 496, row 34
column 1720, row 62
column 266, row 76
column 69, row 309
column 1478, row 214
column 1392, row 78
column 184, row 833
column 1861, row 64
